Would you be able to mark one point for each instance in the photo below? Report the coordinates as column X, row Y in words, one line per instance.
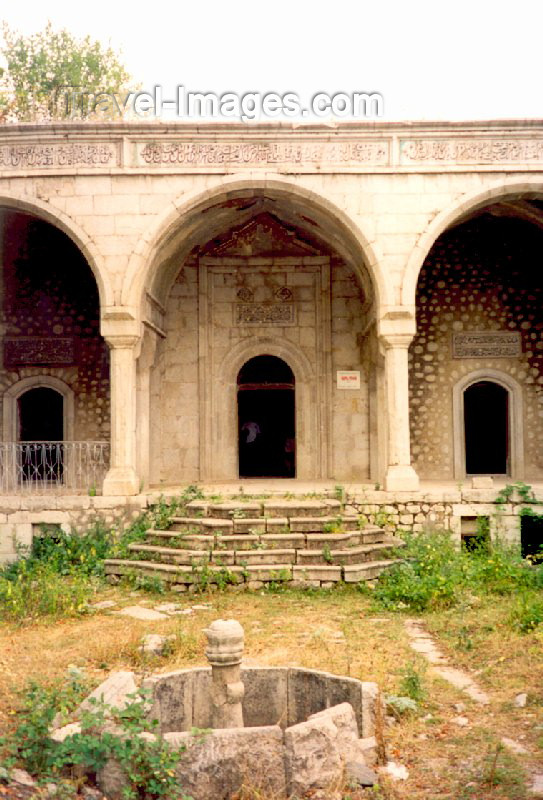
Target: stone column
column 399, row 475
column 224, row 651
column 122, row 478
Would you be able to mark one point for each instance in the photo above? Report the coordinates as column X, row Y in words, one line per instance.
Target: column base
column 401, row 479
column 119, row 481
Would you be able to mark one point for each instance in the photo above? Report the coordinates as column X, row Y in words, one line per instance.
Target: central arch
column 266, row 419
column 154, row 262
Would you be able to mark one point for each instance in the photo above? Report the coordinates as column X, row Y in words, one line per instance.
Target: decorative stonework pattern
column 36, row 350
column 471, row 151
column 27, row 156
column 265, row 314
column 478, row 277
column 245, row 294
column 482, row 344
column 284, row 294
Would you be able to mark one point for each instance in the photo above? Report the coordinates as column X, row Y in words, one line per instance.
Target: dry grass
column 337, row 632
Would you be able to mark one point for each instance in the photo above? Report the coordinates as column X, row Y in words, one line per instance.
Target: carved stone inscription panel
column 487, row 344
column 29, row 351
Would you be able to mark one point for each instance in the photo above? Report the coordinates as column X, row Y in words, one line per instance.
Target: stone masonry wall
column 481, row 276
column 175, row 377
column 21, row 517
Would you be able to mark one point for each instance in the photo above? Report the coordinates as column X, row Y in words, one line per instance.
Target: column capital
column 122, row 341
column 399, row 340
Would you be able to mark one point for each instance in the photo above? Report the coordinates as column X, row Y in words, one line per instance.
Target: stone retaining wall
column 448, row 509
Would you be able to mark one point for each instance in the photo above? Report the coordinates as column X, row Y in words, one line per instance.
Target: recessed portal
column 486, row 427
column 41, row 431
column 266, row 419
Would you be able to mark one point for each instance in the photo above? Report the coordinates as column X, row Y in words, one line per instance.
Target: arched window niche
column 13, row 395
column 38, row 419
column 488, row 425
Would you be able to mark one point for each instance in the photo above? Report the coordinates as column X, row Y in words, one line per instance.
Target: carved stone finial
column 225, row 641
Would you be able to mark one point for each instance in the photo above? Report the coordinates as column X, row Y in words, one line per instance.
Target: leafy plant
column 401, row 706
column 412, row 683
column 327, row 554
column 527, row 615
column 436, row 574
column 29, row 744
column 148, row 763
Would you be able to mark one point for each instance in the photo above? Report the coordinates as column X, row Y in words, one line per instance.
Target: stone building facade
column 358, row 304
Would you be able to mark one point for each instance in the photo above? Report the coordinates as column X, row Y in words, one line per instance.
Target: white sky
column 472, row 59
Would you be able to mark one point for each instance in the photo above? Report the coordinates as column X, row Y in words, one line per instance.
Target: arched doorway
column 266, row 419
column 40, row 423
column 486, row 428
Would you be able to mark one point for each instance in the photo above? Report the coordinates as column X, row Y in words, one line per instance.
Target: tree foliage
column 44, row 71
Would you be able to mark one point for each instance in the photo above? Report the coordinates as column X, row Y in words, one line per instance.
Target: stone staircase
column 306, row 543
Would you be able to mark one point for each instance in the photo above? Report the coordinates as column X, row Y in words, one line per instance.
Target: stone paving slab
column 421, row 641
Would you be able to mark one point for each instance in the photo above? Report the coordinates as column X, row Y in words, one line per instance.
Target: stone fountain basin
column 304, row 730
column 282, row 696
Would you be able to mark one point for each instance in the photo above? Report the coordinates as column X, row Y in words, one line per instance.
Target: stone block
column 307, row 693
column 312, row 760
column 114, row 691
column 269, row 557
column 277, row 525
column 218, row 764
column 369, row 749
column 172, row 700
column 255, row 525
column 266, row 696
column 235, row 543
column 268, row 572
column 201, row 692
column 283, row 541
column 316, row 573
column 14, row 535
column 343, row 717
column 372, row 709
column 346, row 690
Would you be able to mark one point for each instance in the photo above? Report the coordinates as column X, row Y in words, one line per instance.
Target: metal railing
column 53, row 467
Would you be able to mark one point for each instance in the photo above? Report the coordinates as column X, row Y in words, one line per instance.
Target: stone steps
column 250, row 574
column 296, row 507
column 248, row 541
column 262, row 555
column 305, row 542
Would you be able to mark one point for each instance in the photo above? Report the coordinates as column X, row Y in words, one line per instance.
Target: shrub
column 527, row 615
column 148, row 763
column 436, row 573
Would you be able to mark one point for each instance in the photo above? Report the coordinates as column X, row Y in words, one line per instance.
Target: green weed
column 436, row 574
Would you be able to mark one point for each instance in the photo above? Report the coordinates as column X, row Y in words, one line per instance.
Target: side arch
column 177, row 230
column 461, row 207
column 61, row 220
column 515, row 420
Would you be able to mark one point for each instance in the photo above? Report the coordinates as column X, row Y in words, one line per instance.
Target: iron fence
column 53, row 467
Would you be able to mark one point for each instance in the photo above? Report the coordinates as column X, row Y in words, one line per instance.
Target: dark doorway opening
column 41, row 432
column 266, row 419
column 531, row 537
column 486, row 428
